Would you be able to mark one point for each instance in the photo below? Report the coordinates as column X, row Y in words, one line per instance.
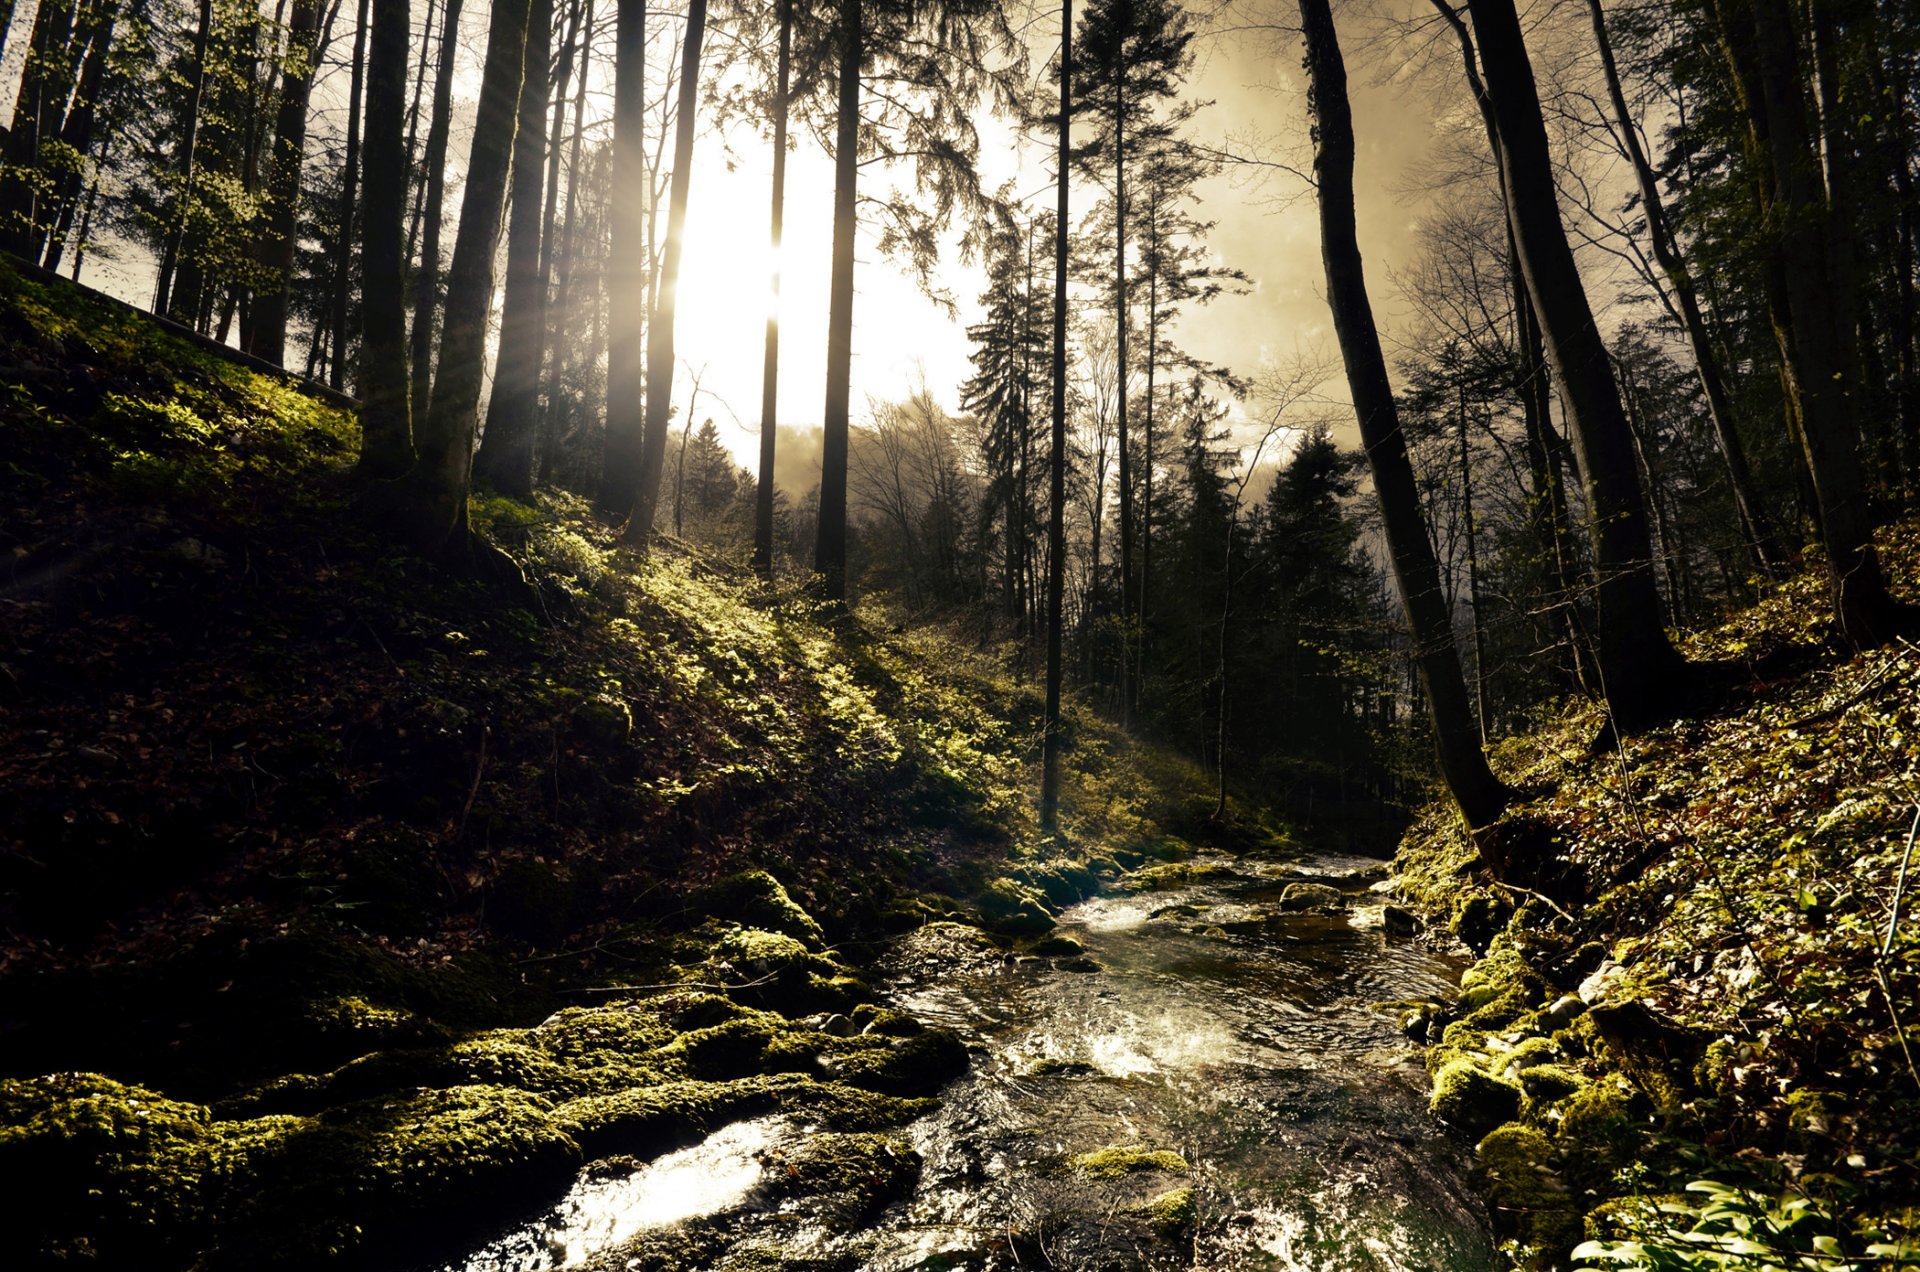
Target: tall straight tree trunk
column 1057, row 467
column 170, row 256
column 506, row 448
column 830, row 539
column 626, row 264
column 426, row 287
column 560, row 404
column 653, row 453
column 387, row 448
column 269, row 327
column 349, row 195
column 441, row 478
column 414, row 99
column 1480, row 796
column 1481, row 710
column 1755, row 526
column 1120, row 316
column 1814, row 331
column 770, row 362
column 1641, row 670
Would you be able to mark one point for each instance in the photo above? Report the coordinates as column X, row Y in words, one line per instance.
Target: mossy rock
column 613, row 1033
column 1061, row 881
column 1175, row 874
column 1117, row 1160
column 872, row 1019
column 853, row 1175
column 1057, row 946
column 915, row 1066
column 732, row 1049
column 655, row 1119
column 1467, row 1096
column 1014, row 909
column 839, row 1107
column 1530, row 1200
column 760, row 952
column 1477, row 918
column 1311, row 896
column 1531, row 1052
column 1546, row 1083
column 755, row 898
column 1171, row 1213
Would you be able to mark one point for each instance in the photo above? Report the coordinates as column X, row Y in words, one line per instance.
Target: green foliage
column 1745, row 1230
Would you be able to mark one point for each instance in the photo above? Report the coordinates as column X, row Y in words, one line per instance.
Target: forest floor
column 341, row 899
column 1694, row 1035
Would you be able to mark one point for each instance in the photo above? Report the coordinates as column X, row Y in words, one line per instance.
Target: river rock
column 1598, row 986
column 1467, row 1096
column 1398, row 921
column 1312, row 896
column 1564, row 1009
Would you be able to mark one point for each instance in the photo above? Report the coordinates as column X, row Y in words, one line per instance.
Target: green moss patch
column 1117, row 1160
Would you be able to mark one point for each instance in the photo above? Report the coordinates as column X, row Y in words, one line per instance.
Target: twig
column 1886, row 951
column 669, row 986
column 473, row 792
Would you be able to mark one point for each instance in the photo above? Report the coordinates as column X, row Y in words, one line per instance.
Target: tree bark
column 1057, row 467
column 770, row 362
column 830, row 539
column 653, row 453
column 387, row 429
column 441, row 478
column 1641, row 671
column 426, row 287
column 1480, row 796
column 349, row 194
column 170, row 256
column 626, row 265
column 269, row 327
column 506, row 448
column 559, row 403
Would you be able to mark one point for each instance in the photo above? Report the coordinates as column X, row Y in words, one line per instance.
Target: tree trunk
column 441, row 478
column 1482, row 712
column 770, row 362
column 426, row 287
column 1480, row 795
column 387, row 449
column 76, row 131
column 559, row 403
column 1640, row 668
column 1755, row 526
column 830, row 539
column 33, row 104
column 626, row 264
column 653, row 454
column 269, row 325
column 1120, row 315
column 1057, row 468
column 1814, row 332
column 349, row 194
column 506, row 448
column 170, row 256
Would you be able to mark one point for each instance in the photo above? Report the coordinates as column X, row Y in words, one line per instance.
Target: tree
column 770, row 365
column 439, row 481
column 426, row 291
column 1131, row 55
column 269, row 328
column 1641, row 672
column 387, row 448
column 626, row 264
column 1481, row 796
column 830, row 540
column 1057, row 455
column 505, row 458
column 660, row 326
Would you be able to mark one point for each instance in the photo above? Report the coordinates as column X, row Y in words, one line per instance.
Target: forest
column 1156, row 745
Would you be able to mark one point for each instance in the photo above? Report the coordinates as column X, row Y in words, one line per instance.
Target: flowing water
column 1203, row 1021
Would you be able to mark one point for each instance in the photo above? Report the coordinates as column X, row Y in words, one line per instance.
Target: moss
column 1531, row 1202
column 1117, row 1160
column 1062, row 881
column 1014, row 909
column 595, row 1036
column 1467, row 1096
column 1546, row 1083
column 1531, row 1052
column 757, row 899
column 869, row 1018
column 852, row 1174
column 1311, row 896
column 1057, row 946
column 648, row 1120
column 760, row 952
column 731, row 1049
column 1174, row 874
column 837, row 1106
column 1172, row 1212
column 1476, row 918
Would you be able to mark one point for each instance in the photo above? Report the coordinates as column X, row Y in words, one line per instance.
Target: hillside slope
column 1703, row 966
column 307, row 842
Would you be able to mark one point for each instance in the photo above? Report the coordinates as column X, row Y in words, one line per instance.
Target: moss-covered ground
column 1700, row 966
column 345, row 898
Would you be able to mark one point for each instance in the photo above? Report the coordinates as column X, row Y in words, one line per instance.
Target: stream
column 1203, row 1021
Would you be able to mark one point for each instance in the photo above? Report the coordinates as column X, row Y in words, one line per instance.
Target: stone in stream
column 1312, row 896
column 1398, row 921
